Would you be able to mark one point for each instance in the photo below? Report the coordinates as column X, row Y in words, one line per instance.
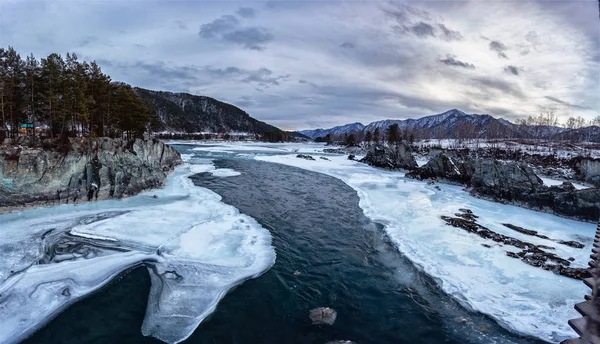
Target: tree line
column 67, row 97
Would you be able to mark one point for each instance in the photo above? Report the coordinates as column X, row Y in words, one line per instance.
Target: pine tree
column 368, row 137
column 376, row 136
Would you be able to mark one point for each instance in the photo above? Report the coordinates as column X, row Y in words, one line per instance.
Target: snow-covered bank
column 196, row 249
column 550, row 182
column 522, row 298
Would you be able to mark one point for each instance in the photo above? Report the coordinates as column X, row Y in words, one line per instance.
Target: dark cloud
column 500, row 85
column 250, row 38
column 244, row 101
column 227, row 29
column 265, row 78
column 404, row 13
column 420, row 23
column 181, row 25
column 224, row 72
column 347, row 45
column 451, row 61
column 499, row 48
column 511, row 70
column 422, row 30
column 218, row 26
column 246, row 12
column 449, row 35
column 558, row 101
column 306, row 82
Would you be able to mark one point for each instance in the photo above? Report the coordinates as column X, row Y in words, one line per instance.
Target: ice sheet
column 520, row 297
column 196, row 249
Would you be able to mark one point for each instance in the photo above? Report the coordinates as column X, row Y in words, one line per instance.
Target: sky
column 315, row 64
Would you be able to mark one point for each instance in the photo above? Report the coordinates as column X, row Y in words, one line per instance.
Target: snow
column 90, row 236
column 225, row 172
column 520, row 297
column 196, row 249
column 550, row 182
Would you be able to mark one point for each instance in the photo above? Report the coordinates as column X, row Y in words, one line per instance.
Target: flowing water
column 328, row 254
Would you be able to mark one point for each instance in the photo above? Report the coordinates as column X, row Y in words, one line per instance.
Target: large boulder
column 582, row 204
column 393, row 158
column 442, row 166
column 506, row 180
column 588, row 169
column 517, row 183
column 323, row 316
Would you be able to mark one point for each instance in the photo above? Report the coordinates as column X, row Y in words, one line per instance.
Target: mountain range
column 457, row 124
column 186, row 113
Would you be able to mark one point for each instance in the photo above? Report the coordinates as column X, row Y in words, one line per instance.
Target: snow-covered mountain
column 457, row 124
column 450, row 123
column 335, row 131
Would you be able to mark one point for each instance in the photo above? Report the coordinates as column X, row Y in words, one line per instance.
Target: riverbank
column 81, row 170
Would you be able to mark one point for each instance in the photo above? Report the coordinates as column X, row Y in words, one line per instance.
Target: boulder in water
column 323, row 316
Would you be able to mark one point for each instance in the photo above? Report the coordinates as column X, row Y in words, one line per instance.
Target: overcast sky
column 310, row 64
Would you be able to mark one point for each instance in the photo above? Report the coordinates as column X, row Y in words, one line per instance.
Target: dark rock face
column 305, row 157
column 393, row 158
column 588, row 170
column 84, row 169
column 505, row 180
column 512, row 182
column 534, row 255
column 516, row 183
column 441, row 166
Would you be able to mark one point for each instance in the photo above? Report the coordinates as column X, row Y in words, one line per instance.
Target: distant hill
column 457, row 124
column 187, row 113
column 335, row 131
column 298, row 136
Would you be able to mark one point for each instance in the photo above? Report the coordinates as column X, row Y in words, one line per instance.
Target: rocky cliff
column 393, row 158
column 512, row 182
column 82, row 170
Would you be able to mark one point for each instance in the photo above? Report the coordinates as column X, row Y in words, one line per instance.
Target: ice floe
column 196, row 248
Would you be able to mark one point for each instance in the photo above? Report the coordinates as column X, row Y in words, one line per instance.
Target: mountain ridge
column 179, row 112
column 458, row 124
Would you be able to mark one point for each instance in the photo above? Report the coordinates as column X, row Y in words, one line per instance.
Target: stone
column 444, row 167
column 392, row 158
column 305, row 157
column 323, row 316
column 534, row 255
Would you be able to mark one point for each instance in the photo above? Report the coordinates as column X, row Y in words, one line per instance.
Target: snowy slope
column 457, row 124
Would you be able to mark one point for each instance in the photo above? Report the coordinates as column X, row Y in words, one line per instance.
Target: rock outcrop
column 517, row 183
column 511, row 182
column 82, row 170
column 535, row 255
column 393, row 158
column 504, row 180
column 442, row 166
column 588, row 170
